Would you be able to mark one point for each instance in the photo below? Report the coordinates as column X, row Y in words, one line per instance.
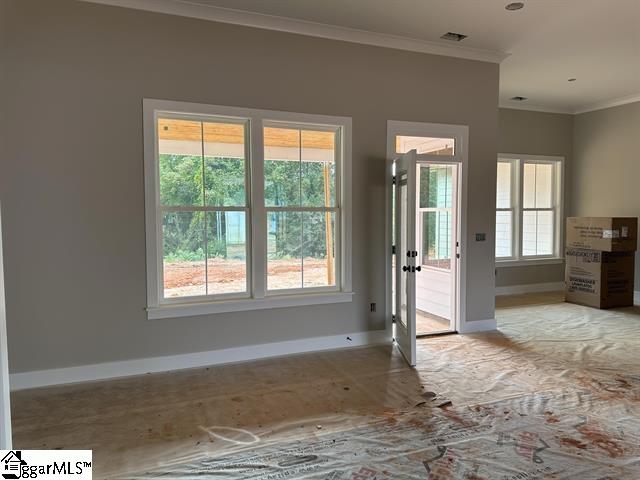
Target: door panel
column 406, row 255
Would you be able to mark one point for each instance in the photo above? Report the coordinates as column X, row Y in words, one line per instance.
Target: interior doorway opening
column 437, row 245
column 426, row 231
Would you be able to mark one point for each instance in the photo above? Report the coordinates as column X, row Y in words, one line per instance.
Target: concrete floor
column 161, row 421
column 427, row 323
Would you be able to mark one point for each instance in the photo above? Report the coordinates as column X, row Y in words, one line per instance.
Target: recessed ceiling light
column 454, row 37
column 571, row 80
column 518, row 98
column 514, row 6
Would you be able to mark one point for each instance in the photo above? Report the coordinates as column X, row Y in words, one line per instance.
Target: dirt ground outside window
column 187, row 278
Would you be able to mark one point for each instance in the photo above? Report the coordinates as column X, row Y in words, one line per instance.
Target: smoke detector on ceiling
column 454, row 37
column 518, row 98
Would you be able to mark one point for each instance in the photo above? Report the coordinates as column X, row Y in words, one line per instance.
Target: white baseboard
column 530, row 288
column 126, row 368
column 479, row 326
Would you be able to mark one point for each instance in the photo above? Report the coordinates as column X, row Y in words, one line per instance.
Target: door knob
column 405, row 268
column 418, row 268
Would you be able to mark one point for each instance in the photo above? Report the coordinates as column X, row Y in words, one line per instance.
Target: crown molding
column 302, row 27
column 616, row 102
column 535, row 108
column 609, row 103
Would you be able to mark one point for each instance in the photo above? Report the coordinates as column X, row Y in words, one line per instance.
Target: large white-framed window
column 245, row 208
column 529, row 208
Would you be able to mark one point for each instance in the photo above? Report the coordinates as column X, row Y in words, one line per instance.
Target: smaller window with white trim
column 528, row 207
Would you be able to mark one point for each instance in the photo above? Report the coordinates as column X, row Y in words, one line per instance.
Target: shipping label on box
column 607, row 234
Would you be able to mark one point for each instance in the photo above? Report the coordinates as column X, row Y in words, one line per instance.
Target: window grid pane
column 226, row 239
column 180, row 158
column 503, row 185
column 537, row 233
column 318, row 249
column 537, row 185
column 284, row 250
column 504, row 233
column 224, row 164
column 544, row 186
column 184, row 271
column 317, row 156
column 282, row 167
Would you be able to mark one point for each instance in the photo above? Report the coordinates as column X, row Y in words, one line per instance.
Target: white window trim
column 258, row 297
column 517, row 192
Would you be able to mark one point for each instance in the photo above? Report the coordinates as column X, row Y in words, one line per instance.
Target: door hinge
column 393, row 319
column 394, row 180
column 393, row 249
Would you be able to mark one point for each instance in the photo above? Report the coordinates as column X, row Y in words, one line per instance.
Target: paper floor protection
column 554, row 394
column 561, row 435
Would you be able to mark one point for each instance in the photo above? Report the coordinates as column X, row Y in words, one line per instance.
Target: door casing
column 460, row 133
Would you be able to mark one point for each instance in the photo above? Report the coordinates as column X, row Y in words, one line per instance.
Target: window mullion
column 302, row 213
column 204, row 215
column 520, row 199
column 258, row 210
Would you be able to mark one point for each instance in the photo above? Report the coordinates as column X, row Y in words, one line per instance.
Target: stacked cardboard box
column 600, row 258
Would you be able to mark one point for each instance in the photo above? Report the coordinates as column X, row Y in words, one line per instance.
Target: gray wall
column 536, row 133
column 607, row 164
column 71, row 176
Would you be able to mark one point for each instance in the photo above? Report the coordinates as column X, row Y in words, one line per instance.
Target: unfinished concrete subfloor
column 427, row 323
column 555, row 393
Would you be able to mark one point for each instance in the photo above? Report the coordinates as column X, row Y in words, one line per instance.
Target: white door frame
column 460, row 133
column 5, row 409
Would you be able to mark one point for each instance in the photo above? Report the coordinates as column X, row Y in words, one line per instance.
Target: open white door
column 406, row 255
column 5, row 410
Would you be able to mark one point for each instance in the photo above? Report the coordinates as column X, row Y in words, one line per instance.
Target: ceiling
column 541, row 46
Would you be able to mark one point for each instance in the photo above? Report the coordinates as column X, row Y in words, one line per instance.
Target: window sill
column 529, row 262
column 204, row 308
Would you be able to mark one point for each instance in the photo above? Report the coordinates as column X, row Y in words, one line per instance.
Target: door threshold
column 436, row 334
